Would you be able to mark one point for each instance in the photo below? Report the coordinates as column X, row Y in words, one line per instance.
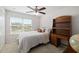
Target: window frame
column 18, row 25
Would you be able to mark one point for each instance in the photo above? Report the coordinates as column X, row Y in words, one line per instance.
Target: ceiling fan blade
column 31, row 8
column 42, row 8
column 29, row 11
column 42, row 12
column 36, row 9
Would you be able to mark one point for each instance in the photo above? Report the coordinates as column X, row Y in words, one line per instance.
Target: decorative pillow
column 41, row 30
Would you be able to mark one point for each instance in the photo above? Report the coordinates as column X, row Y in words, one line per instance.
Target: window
column 20, row 25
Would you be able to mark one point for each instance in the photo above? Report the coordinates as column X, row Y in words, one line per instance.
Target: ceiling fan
column 36, row 10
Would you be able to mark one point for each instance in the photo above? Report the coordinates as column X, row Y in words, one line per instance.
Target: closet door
column 2, row 28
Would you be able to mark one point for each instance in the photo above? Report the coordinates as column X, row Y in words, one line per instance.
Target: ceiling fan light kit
column 36, row 13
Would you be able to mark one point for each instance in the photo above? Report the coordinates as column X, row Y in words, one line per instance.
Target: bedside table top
column 74, row 42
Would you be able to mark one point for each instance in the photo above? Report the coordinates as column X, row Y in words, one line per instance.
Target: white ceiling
column 24, row 9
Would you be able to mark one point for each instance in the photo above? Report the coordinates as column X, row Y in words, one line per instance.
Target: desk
column 56, row 39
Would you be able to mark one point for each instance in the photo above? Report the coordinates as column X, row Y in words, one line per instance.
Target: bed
column 27, row 40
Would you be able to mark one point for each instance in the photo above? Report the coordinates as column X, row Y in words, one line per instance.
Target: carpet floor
column 48, row 48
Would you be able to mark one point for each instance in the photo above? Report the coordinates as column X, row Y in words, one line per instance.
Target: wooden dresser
column 61, row 30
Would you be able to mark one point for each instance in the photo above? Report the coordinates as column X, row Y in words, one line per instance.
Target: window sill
column 14, row 33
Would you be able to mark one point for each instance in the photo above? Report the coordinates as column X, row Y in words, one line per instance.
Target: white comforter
column 30, row 39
